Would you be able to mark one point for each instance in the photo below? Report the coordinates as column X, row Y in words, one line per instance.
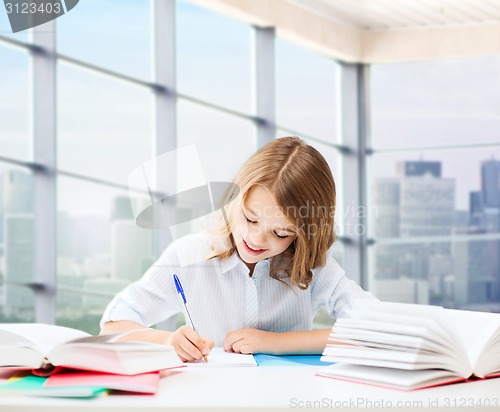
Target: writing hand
column 189, row 345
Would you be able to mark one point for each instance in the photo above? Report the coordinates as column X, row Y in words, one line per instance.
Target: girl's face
column 261, row 230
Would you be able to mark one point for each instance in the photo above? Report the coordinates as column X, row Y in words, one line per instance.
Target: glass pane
column 104, row 127
column 435, row 103
column 322, row 319
column 333, row 158
column 213, row 57
column 459, row 274
column 80, row 308
column 113, row 34
column 100, row 249
column 337, row 252
column 17, row 304
column 15, row 106
column 448, row 192
column 6, row 30
column 16, row 243
column 306, row 92
column 223, row 142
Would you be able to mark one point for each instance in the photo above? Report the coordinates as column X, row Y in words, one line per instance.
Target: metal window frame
column 165, row 100
column 44, row 153
column 353, row 130
column 263, row 60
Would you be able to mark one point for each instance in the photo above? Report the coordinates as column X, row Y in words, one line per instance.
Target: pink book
column 145, row 383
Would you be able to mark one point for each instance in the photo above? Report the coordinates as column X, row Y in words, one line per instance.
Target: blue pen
column 180, row 291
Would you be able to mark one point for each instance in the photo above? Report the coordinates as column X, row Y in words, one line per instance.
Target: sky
column 105, row 126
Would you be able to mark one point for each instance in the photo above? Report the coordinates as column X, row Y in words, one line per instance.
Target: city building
column 17, row 206
column 490, row 183
column 419, row 168
column 418, row 203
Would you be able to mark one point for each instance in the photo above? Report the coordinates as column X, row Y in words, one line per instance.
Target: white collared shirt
column 223, row 297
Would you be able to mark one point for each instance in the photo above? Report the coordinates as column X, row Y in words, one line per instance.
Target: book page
column 393, row 378
column 219, row 357
column 43, row 337
column 404, row 315
column 474, row 329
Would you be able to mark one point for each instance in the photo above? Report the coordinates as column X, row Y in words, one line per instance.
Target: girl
column 255, row 284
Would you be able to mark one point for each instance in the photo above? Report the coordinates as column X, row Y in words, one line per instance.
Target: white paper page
column 372, row 338
column 473, row 329
column 405, row 317
column 218, row 357
column 386, row 376
column 43, row 336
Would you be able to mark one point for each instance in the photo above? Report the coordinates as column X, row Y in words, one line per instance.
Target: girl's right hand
column 189, row 345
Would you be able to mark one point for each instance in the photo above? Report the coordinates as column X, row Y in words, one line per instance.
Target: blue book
column 289, row 360
column 34, row 386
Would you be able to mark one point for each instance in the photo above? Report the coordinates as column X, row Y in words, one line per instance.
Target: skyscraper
column 18, row 192
column 475, row 279
column 427, row 206
column 18, row 206
column 418, row 203
column 419, row 168
column 490, row 183
column 131, row 246
column 386, row 196
column 19, row 264
column 122, row 210
column 476, row 208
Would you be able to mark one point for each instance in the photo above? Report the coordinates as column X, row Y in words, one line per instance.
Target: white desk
column 269, row 388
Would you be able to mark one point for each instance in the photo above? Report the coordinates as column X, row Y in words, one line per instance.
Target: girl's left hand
column 249, row 341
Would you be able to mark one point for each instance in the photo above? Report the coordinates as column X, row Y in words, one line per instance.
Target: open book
column 43, row 347
column 407, row 346
column 219, row 357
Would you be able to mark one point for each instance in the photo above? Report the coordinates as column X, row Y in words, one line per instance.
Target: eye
column 248, row 220
column 281, row 237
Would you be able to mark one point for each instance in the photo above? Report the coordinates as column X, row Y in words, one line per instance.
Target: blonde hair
column 302, row 183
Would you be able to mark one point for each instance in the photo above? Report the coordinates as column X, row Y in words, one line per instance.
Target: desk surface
column 273, row 387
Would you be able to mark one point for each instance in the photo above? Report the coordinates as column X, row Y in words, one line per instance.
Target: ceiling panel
column 399, row 14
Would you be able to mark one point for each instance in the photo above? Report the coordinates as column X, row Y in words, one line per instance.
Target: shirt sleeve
column 333, row 290
column 152, row 298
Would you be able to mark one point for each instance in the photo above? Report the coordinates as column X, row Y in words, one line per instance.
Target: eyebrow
column 250, row 210
column 279, row 228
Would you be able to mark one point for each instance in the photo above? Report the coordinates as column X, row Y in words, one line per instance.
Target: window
column 112, row 34
column 104, row 125
column 435, row 204
column 100, row 249
column 16, row 243
column 306, row 92
column 213, row 58
column 460, row 274
column 6, row 30
column 447, row 102
column 15, row 134
column 223, row 142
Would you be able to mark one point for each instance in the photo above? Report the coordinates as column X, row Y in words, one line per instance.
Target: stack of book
column 48, row 360
column 407, row 346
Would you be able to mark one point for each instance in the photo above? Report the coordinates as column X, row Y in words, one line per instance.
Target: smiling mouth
column 252, row 251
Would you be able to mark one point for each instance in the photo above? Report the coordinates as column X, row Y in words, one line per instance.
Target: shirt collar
column 231, row 262
column 235, row 260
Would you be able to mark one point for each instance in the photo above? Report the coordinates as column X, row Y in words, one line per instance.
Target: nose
column 257, row 235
